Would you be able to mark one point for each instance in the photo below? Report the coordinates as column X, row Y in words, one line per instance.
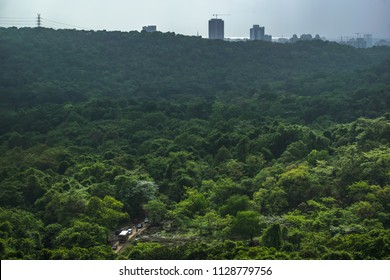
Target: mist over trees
column 247, row 150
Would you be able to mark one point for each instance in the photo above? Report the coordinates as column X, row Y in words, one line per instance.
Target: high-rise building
column 368, row 39
column 149, row 28
column 216, row 29
column 257, row 32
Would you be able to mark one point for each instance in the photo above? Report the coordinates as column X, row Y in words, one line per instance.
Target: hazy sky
column 329, row 18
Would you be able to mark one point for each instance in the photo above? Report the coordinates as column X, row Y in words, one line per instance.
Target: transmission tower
column 39, row 20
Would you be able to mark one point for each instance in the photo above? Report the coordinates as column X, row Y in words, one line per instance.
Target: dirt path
column 135, row 234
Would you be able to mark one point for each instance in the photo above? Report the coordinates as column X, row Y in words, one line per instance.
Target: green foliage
column 248, row 224
column 106, row 212
column 212, row 224
column 284, row 144
column 235, row 204
column 21, row 234
column 81, row 234
column 195, row 203
column 296, row 183
column 271, row 201
column 272, row 236
column 134, row 191
column 156, row 210
column 78, row 253
column 63, row 202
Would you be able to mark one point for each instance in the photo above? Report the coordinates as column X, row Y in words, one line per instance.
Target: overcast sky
column 329, row 18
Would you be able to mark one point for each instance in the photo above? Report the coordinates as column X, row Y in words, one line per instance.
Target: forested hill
column 247, row 150
column 80, row 63
column 307, row 81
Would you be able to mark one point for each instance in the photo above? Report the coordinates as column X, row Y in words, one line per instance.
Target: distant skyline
column 329, row 18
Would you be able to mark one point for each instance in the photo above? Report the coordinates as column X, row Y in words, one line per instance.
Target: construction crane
column 216, row 15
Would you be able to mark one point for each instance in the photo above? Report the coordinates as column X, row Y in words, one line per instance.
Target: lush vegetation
column 248, row 150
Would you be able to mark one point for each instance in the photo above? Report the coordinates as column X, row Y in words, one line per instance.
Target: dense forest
column 233, row 150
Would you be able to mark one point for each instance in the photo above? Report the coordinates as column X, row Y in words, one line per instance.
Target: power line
column 18, row 24
column 31, row 22
column 39, row 21
column 10, row 20
column 16, row 20
column 15, row 17
column 65, row 24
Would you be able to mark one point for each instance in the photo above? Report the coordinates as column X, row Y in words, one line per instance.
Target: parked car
column 146, row 220
column 129, row 230
column 114, row 247
column 139, row 226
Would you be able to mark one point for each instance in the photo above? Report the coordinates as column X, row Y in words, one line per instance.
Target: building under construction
column 360, row 42
column 216, row 29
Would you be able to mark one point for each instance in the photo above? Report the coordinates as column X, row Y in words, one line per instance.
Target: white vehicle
column 123, row 236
